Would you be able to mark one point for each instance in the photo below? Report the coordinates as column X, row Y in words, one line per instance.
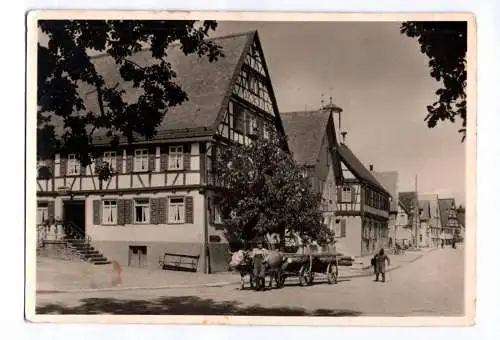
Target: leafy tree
column 65, row 68
column 265, row 192
column 445, row 43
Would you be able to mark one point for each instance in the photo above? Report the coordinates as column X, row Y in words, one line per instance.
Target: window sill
column 176, row 223
column 140, row 171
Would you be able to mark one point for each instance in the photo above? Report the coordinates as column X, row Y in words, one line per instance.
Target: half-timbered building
column 160, row 198
column 312, row 141
column 450, row 227
column 363, row 205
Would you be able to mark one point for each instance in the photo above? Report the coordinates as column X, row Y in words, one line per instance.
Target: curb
column 388, row 270
column 200, row 285
column 119, row 289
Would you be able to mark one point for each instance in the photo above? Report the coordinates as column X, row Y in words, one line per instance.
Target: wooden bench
column 179, row 262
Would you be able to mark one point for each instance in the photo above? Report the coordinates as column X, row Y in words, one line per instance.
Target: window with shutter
column 176, row 210
column 142, row 211
column 109, row 212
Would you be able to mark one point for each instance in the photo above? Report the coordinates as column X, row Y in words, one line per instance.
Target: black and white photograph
column 212, row 166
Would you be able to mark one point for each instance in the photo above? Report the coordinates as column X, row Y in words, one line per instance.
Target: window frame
column 142, row 204
column 174, row 155
column 75, row 165
column 108, row 157
column 345, row 189
column 141, row 155
column 111, row 208
column 171, row 204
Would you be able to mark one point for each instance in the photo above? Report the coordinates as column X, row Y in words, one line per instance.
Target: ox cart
column 307, row 266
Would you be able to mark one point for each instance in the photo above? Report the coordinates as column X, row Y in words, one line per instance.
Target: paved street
column 432, row 285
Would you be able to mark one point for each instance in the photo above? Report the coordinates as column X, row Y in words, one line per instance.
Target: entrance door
column 74, row 218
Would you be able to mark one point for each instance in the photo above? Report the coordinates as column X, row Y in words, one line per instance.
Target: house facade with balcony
column 363, row 204
column 161, row 196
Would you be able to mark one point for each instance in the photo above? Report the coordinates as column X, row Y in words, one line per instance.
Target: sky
column 381, row 81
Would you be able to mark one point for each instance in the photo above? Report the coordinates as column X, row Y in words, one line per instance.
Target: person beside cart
column 378, row 262
column 259, row 257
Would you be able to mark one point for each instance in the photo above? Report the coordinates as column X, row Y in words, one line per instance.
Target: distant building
column 410, row 200
column 449, row 222
column 424, row 231
column 433, row 218
column 363, row 204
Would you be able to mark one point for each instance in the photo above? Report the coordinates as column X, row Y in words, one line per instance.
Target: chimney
column 344, row 134
column 371, row 167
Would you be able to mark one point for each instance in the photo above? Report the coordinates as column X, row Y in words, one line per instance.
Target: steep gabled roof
column 445, row 204
column 389, row 180
column 305, row 132
column 357, row 168
column 425, row 207
column 405, row 208
column 207, row 84
column 409, row 199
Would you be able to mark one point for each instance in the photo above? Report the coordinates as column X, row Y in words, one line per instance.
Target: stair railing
column 74, row 233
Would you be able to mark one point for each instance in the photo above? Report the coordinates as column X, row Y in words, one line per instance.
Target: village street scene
column 250, row 168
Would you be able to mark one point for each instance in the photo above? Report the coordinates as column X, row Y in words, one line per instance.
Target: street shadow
column 182, row 305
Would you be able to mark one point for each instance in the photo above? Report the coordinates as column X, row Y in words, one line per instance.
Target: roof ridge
column 174, row 44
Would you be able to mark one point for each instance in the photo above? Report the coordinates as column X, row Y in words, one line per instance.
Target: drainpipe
column 206, row 263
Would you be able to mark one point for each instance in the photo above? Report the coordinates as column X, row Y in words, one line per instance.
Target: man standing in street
column 378, row 261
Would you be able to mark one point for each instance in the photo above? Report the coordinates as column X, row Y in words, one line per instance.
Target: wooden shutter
column 62, row 166
column 162, row 211
column 128, row 212
column 211, row 210
column 51, row 210
column 343, row 228
column 187, row 156
column 154, row 211
column 151, row 160
column 353, row 194
column 130, row 159
column 164, row 159
column 50, row 166
column 96, row 212
column 339, row 194
column 189, row 209
column 119, row 161
column 121, row 212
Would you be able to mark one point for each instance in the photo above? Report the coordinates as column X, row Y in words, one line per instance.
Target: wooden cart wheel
column 305, row 277
column 332, row 273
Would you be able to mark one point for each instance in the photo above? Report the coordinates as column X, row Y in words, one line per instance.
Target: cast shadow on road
column 182, row 305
